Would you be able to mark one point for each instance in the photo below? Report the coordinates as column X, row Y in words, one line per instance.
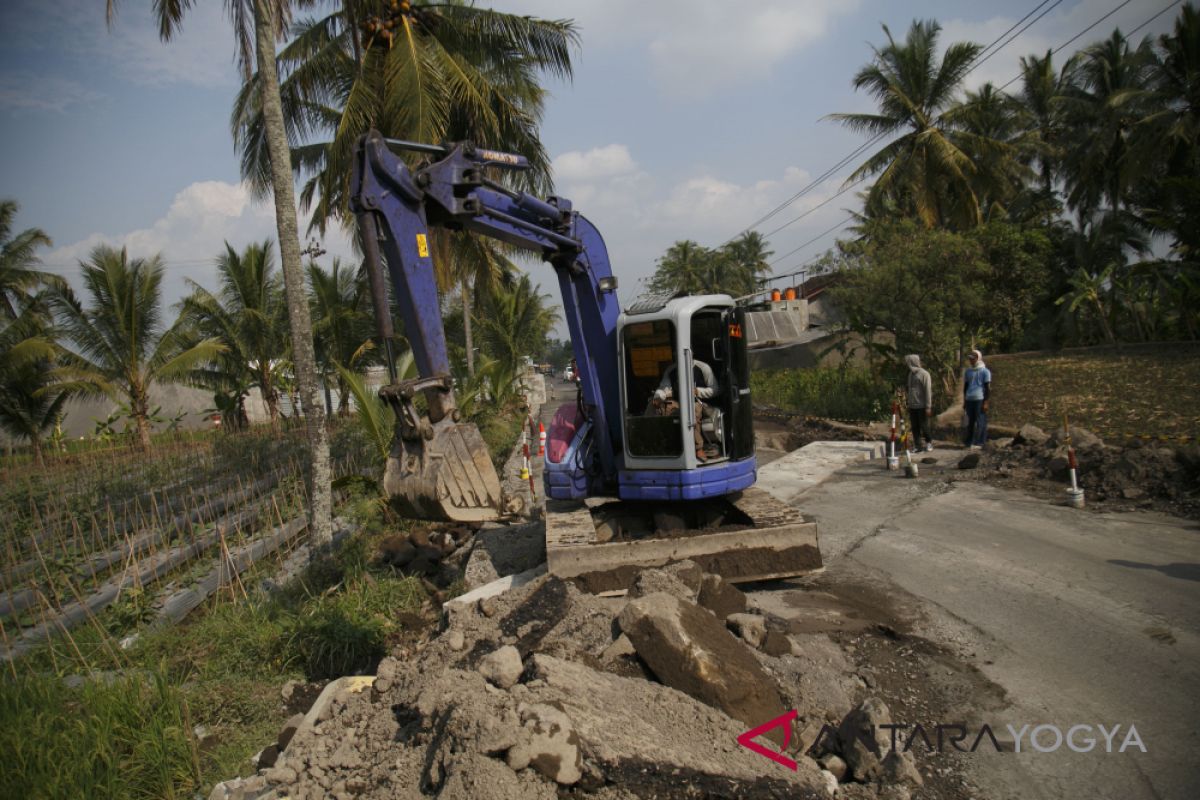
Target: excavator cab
column 684, row 388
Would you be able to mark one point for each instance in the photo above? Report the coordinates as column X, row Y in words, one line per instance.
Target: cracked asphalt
column 1078, row 618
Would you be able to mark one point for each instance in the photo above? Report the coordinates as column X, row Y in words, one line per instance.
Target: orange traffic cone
column 541, row 439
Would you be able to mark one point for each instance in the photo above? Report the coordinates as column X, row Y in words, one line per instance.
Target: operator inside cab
column 663, row 402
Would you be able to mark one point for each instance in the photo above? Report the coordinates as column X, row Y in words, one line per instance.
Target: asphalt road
column 1082, row 618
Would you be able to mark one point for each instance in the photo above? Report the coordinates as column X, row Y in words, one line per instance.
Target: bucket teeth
column 446, row 477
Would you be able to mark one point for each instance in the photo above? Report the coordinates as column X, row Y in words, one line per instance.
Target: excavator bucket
column 439, row 471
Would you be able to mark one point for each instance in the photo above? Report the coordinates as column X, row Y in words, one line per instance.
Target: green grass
column 850, row 394
column 221, row 670
column 129, row 738
column 1139, row 390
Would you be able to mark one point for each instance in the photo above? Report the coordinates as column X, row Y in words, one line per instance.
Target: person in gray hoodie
column 920, row 402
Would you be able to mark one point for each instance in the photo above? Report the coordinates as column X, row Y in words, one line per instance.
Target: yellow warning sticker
column 422, row 246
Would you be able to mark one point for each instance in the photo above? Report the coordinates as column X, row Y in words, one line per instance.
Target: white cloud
column 30, row 92
column 599, row 162
column 697, row 46
column 640, row 215
column 191, row 234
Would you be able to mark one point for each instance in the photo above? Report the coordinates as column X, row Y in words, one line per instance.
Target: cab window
column 649, row 350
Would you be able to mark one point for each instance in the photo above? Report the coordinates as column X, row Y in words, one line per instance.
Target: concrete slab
column 779, row 542
column 788, row 477
column 496, row 587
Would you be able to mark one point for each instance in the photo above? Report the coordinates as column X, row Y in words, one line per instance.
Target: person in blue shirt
column 977, row 386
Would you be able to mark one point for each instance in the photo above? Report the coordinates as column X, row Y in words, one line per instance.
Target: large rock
column 720, row 597
column 677, row 742
column 1030, row 435
column 689, row 649
column 1081, row 438
column 969, row 461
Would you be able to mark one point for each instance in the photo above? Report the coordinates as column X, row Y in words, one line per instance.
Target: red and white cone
column 541, row 439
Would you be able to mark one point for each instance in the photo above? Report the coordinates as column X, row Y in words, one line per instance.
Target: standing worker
column 977, row 386
column 920, row 402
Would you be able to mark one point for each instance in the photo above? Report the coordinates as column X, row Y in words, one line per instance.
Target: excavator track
column 603, row 543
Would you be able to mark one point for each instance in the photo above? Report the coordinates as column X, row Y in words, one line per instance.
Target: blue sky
column 685, row 119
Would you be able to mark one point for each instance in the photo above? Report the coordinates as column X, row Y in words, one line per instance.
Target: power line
column 1017, row 77
column 979, row 59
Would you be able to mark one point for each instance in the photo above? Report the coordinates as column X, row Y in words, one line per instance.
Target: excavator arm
column 439, row 467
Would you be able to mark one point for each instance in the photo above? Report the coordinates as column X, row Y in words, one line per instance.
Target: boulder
column 502, row 667
column 969, row 461
column 834, row 764
column 720, row 597
column 1030, row 435
column 690, row 650
column 683, row 747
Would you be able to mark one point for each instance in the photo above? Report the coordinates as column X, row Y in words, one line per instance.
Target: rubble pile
column 1136, row 475
column 546, row 689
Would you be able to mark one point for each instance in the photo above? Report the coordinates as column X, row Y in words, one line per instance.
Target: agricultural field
column 1135, row 391
column 152, row 608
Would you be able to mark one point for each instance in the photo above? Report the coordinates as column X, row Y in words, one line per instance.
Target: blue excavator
column 660, row 445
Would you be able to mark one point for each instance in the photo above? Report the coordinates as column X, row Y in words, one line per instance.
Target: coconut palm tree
column 258, row 25
column 1041, row 115
column 342, row 322
column 121, row 347
column 747, row 255
column 428, row 72
column 516, row 322
column 1105, row 106
column 18, row 259
column 31, row 395
column 988, row 128
column 248, row 317
column 922, row 170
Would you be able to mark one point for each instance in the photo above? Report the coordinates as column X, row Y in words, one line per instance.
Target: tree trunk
column 467, row 333
column 320, row 496
column 36, row 441
column 143, row 430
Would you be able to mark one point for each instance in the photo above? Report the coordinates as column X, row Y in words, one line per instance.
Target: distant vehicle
column 569, row 374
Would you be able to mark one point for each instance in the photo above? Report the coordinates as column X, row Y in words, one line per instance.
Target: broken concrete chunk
column 900, row 768
column 690, row 650
column 649, row 581
column 777, row 644
column 720, row 597
column 288, row 731
column 835, row 765
column 621, row 646
column 1030, row 435
column 553, row 745
column 502, row 667
column 751, row 627
column 863, row 741
column 688, row 573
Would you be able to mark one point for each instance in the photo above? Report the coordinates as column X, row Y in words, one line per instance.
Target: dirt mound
column 539, row 690
column 779, row 430
column 1115, row 478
